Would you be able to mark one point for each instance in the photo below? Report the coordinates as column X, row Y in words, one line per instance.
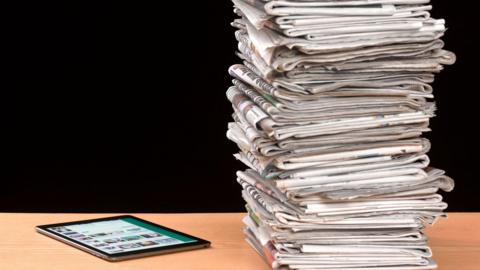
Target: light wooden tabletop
column 455, row 242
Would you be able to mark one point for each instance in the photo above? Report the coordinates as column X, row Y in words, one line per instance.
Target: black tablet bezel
column 198, row 242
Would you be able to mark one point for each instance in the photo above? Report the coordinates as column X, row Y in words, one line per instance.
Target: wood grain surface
column 455, row 242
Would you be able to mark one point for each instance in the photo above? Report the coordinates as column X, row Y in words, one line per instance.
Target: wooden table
column 455, row 242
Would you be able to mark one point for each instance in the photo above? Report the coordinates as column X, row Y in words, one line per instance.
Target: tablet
column 121, row 237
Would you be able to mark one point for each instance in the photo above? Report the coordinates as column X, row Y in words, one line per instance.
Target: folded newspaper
column 329, row 106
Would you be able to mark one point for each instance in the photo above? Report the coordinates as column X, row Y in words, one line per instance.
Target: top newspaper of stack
column 333, row 96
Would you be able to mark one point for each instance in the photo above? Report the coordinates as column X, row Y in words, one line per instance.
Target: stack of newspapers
column 330, row 104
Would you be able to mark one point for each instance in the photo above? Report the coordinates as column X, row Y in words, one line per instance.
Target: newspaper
column 330, row 102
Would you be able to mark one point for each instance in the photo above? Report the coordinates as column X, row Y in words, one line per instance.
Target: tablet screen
column 120, row 235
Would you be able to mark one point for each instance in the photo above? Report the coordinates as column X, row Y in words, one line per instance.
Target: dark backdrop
column 121, row 108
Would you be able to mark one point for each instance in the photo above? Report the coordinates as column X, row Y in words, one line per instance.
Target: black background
column 120, row 107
